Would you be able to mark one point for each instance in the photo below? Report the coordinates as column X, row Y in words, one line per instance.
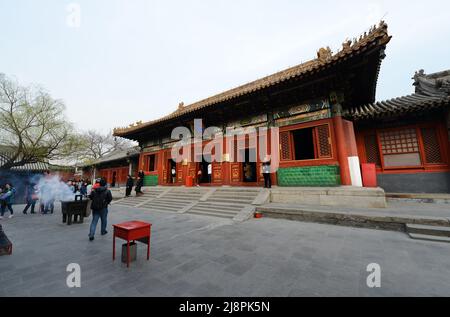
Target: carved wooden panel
column 285, row 146
column 217, row 173
column 179, row 173
column 236, row 172
column 431, row 146
column 324, row 141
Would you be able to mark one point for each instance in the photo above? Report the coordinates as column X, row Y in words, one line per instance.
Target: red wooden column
column 226, row 167
column 341, row 149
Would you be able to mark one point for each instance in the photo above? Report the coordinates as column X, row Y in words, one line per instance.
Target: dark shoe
column 24, row 212
column 105, row 233
column 91, row 238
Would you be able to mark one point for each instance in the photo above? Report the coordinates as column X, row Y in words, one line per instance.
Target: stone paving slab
column 204, row 256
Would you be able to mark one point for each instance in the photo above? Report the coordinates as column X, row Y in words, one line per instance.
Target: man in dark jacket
column 101, row 197
column 140, row 183
column 130, row 184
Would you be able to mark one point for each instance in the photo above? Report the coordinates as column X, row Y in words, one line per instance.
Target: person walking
column 101, row 197
column 140, row 183
column 7, row 200
column 83, row 189
column 266, row 169
column 209, row 172
column 32, row 196
column 129, row 187
column 88, row 188
column 113, row 182
column 199, row 176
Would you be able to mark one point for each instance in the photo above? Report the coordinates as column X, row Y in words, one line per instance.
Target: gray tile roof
column 118, row 155
column 397, row 106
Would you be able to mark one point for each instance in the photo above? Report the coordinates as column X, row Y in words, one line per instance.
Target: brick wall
column 314, row 176
column 151, row 180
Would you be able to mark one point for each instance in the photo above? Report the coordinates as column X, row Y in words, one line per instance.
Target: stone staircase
column 176, row 200
column 428, row 233
column 137, row 201
column 226, row 202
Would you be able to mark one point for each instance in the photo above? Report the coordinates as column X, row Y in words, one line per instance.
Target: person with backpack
column 7, row 200
column 101, row 197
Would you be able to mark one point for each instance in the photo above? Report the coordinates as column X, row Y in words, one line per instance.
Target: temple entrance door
column 205, row 179
column 249, row 166
column 171, row 171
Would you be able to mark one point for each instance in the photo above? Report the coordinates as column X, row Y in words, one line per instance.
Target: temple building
column 328, row 124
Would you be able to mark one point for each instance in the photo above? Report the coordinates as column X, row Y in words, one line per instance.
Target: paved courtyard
column 203, row 256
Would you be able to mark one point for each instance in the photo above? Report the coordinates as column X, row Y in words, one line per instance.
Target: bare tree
column 32, row 125
column 96, row 145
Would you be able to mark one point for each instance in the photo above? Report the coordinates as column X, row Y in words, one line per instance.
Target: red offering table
column 132, row 231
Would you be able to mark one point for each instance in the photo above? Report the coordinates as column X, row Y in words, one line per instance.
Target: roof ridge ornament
column 324, row 54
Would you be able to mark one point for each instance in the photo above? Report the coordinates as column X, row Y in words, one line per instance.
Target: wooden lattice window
column 399, row 141
column 308, row 143
column 323, row 141
column 372, row 151
column 400, row 148
column 431, row 146
column 285, row 146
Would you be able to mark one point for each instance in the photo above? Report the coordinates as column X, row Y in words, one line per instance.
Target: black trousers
column 128, row 191
column 267, row 181
column 32, row 204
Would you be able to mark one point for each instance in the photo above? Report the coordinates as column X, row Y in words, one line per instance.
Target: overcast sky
column 136, row 59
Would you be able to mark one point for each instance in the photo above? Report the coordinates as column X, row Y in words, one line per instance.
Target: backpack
column 99, row 200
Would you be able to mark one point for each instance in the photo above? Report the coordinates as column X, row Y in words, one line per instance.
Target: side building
column 114, row 167
column 408, row 137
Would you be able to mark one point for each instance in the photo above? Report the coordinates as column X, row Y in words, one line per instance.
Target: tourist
column 32, row 196
column 7, row 200
column 88, row 188
column 140, row 183
column 199, row 176
column 266, row 173
column 129, row 186
column 101, row 197
column 113, row 183
column 209, row 172
column 248, row 173
column 71, row 186
column 83, row 189
column 47, row 198
column 174, row 175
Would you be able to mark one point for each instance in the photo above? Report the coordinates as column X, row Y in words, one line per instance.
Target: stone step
column 237, row 192
column 212, row 214
column 231, row 200
column 161, row 208
column 234, row 195
column 428, row 230
column 188, row 191
column 375, row 220
column 128, row 202
column 426, row 237
column 172, row 201
column 182, row 195
column 216, row 210
column 165, row 204
column 219, row 206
